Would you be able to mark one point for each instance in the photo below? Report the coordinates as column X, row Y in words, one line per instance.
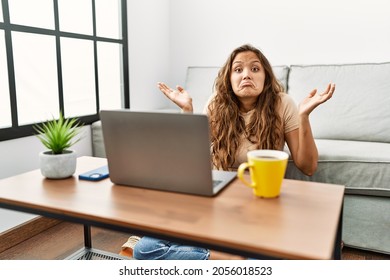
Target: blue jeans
column 149, row 248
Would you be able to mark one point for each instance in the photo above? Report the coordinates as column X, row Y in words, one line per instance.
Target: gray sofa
column 353, row 137
column 352, row 133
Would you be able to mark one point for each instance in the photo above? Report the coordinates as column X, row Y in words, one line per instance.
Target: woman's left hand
column 314, row 99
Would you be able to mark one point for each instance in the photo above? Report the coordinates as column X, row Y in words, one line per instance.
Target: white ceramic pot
column 58, row 166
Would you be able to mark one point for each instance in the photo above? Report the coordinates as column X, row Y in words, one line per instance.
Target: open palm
column 314, row 99
column 179, row 96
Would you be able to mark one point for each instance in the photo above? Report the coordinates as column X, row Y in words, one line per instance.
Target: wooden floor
column 61, row 241
column 65, row 238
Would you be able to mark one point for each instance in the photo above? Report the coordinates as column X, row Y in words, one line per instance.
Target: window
column 5, row 112
column 1, row 14
column 37, row 13
column 36, row 82
column 56, row 56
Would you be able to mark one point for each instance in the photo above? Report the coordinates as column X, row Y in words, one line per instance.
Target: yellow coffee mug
column 267, row 169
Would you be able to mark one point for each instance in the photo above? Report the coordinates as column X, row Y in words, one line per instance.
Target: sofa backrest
column 360, row 107
column 200, row 83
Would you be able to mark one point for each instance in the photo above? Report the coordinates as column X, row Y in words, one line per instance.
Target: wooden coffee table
column 305, row 222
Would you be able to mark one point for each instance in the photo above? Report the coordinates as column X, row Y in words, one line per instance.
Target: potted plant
column 58, row 136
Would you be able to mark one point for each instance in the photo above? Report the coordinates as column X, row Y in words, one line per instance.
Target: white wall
column 204, row 32
column 149, row 52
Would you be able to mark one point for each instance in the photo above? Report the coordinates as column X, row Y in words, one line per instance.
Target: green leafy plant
column 58, row 135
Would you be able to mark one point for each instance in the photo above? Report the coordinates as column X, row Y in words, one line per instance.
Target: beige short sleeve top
column 289, row 114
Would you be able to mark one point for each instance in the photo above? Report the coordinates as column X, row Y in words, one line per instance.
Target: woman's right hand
column 179, row 96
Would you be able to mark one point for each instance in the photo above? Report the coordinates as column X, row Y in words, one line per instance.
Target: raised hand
column 314, row 99
column 179, row 96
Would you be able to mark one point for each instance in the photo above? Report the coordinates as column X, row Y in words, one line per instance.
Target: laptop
column 161, row 151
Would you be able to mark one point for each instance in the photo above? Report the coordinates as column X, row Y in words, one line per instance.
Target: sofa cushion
column 360, row 105
column 97, row 140
column 200, row 83
column 363, row 167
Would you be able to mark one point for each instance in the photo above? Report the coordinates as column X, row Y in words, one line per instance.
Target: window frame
column 18, row 131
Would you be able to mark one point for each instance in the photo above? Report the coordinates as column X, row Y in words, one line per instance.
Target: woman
column 248, row 111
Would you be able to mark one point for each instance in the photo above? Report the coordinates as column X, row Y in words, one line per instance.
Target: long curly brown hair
column 227, row 126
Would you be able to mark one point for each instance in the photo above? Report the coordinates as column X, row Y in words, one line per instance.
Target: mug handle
column 240, row 173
